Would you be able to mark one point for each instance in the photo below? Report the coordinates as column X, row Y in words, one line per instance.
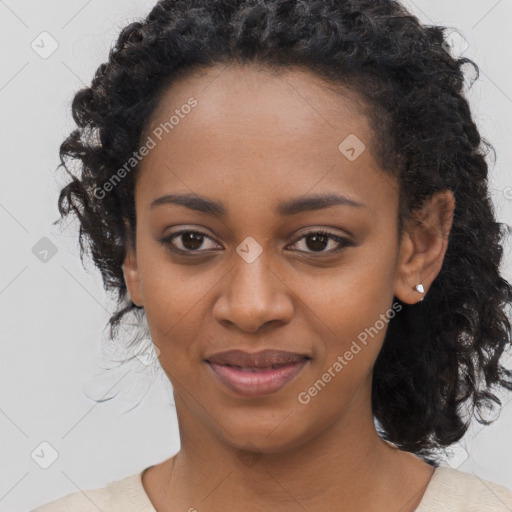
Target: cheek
column 171, row 297
column 337, row 305
column 353, row 296
column 352, row 310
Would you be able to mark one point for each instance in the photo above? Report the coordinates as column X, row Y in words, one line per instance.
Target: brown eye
column 191, row 241
column 317, row 241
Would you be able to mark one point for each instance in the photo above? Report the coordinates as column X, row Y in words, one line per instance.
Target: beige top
column 449, row 490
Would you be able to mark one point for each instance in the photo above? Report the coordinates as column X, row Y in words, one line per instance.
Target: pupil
column 195, row 238
column 315, row 239
column 193, row 241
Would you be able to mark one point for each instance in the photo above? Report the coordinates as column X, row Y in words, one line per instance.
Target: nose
column 253, row 296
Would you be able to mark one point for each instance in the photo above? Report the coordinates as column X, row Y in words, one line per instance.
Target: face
column 270, row 265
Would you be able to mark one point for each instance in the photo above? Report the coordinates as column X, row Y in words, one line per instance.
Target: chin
column 268, row 433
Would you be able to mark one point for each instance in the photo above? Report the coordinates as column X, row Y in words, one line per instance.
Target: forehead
column 259, row 132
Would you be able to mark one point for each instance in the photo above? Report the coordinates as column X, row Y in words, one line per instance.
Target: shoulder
column 126, row 494
column 452, row 490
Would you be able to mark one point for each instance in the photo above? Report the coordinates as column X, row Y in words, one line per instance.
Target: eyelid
column 342, row 241
column 167, row 239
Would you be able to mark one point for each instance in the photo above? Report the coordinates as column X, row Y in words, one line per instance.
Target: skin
column 255, row 139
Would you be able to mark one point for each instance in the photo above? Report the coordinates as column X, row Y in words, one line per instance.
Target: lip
column 256, row 374
column 262, row 359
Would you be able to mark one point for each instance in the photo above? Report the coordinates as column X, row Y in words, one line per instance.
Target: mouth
column 256, row 374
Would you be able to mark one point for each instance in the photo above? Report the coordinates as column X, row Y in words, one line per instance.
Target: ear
column 423, row 247
column 130, row 269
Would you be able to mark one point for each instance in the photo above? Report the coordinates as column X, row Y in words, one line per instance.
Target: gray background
column 53, row 312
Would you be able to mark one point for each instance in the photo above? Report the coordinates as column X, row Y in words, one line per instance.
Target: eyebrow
column 288, row 207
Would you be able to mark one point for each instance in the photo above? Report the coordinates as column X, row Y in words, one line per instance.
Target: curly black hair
column 439, row 355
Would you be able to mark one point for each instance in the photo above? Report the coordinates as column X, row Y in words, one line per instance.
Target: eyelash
column 343, row 242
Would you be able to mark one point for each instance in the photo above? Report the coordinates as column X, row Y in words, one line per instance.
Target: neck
column 347, row 465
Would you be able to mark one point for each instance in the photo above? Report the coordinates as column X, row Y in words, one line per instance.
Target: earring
column 419, row 288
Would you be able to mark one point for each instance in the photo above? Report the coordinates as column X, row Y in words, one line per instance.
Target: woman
column 293, row 194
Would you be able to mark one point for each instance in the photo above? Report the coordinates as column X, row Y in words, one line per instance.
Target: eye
column 191, row 241
column 318, row 240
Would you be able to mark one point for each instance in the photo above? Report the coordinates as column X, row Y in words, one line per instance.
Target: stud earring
column 419, row 288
